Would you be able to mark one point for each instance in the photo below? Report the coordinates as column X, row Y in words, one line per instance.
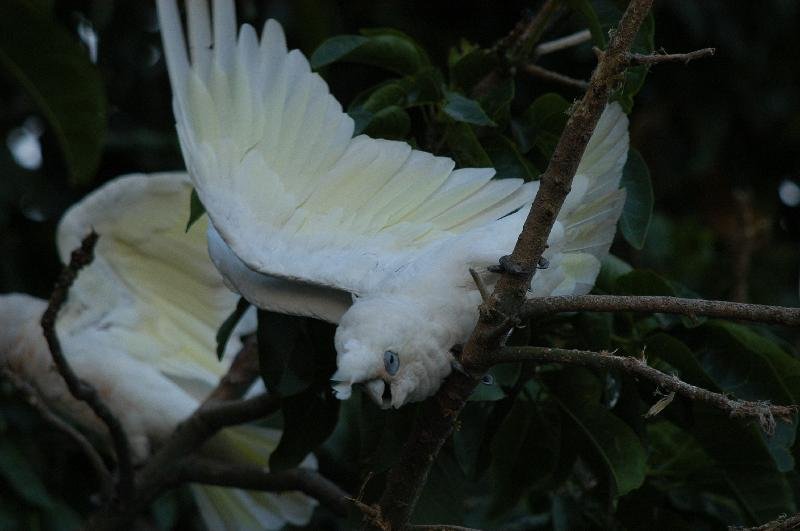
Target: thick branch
column 763, row 412
column 655, row 304
column 80, row 389
column 436, row 420
column 635, row 59
column 310, row 482
column 554, row 77
column 32, row 397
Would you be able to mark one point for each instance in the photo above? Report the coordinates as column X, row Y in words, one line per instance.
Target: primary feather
column 303, row 216
column 286, row 186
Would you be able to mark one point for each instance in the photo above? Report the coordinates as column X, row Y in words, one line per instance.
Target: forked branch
column 80, row 389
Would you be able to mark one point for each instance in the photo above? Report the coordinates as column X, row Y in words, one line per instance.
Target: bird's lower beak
column 380, row 393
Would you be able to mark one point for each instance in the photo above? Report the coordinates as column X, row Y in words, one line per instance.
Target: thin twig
column 554, row 77
column 562, row 43
column 437, row 417
column 34, row 399
column 635, row 59
column 80, row 389
column 212, row 472
column 764, row 412
column 539, row 306
column 782, row 523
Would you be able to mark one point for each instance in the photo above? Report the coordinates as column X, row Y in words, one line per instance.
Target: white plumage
column 305, row 217
column 140, row 325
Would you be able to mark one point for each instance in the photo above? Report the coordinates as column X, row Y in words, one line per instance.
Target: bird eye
column 391, row 361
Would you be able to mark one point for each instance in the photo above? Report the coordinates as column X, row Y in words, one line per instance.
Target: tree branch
column 34, row 399
column 539, row 306
column 310, row 482
column 241, row 374
column 562, row 43
column 220, row 409
column 80, row 389
column 764, row 412
column 438, row 415
column 554, row 77
column 635, row 59
column 782, row 523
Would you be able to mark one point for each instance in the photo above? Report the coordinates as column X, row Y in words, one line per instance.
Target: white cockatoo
column 139, row 325
column 367, row 233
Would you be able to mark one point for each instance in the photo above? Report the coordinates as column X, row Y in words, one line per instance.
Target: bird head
column 399, row 351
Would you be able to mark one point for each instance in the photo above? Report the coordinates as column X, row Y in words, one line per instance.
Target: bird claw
column 505, row 265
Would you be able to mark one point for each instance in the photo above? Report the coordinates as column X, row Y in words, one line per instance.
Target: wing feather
column 286, row 186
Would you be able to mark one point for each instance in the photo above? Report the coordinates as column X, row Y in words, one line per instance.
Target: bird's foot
column 506, row 265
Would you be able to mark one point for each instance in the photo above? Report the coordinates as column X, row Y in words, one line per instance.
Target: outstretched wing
column 271, row 156
column 151, row 286
column 587, row 221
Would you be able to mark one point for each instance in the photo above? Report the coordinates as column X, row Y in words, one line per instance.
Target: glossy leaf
column 309, row 418
column 389, row 50
column 541, row 124
column 227, row 326
column 638, row 210
column 465, row 147
column 55, row 71
column 525, row 451
column 196, row 209
column 507, row 160
column 463, row 109
column 286, row 353
column 607, row 440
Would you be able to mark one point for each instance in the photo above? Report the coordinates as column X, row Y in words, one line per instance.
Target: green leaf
column 463, row 109
column 585, row 9
column 335, row 49
column 721, row 367
column 508, row 162
column 525, row 452
column 286, row 353
column 227, row 326
column 18, row 473
column 392, row 123
column 55, row 71
column 487, row 392
column 196, row 209
column 611, row 269
column 469, row 437
column 638, row 210
column 608, row 441
column 465, row 147
column 674, row 454
column 541, row 124
column 391, row 50
column 444, row 493
column 309, row 418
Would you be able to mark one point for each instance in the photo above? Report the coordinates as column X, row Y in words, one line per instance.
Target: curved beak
column 380, row 392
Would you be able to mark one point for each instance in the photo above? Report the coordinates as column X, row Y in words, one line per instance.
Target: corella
column 139, row 325
column 367, row 233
